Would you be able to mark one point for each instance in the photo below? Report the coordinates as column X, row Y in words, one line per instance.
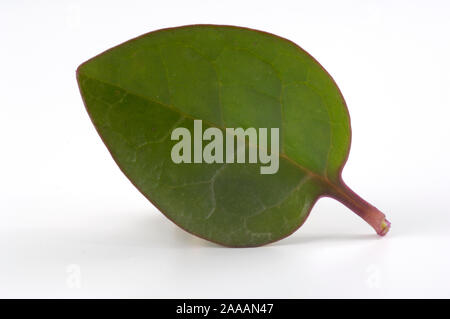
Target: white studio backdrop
column 72, row 225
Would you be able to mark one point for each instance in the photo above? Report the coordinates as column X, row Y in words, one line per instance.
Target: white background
column 72, row 225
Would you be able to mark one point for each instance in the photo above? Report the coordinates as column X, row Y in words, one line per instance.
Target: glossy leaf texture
column 228, row 77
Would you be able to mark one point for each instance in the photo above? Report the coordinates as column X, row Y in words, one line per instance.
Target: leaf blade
column 319, row 169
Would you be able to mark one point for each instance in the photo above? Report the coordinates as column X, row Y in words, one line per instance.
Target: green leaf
column 228, row 77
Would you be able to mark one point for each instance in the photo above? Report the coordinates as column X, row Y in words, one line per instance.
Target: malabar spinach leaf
column 228, row 77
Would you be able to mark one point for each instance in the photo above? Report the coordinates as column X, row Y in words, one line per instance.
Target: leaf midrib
column 320, row 178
